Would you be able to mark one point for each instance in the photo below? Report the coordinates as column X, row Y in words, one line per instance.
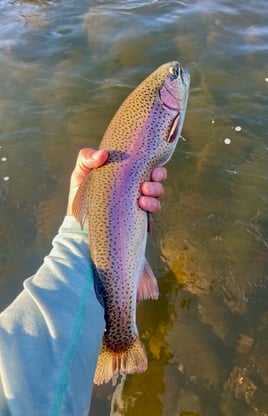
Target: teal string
column 64, row 378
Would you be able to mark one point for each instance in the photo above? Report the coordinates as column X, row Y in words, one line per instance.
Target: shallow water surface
column 65, row 66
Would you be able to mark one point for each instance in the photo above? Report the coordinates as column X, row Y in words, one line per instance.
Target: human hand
column 89, row 159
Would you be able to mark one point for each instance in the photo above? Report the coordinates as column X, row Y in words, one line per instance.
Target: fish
column 142, row 134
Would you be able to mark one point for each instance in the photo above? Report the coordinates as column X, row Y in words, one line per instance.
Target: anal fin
column 148, row 287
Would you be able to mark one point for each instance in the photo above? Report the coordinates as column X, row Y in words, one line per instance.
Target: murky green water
column 65, row 66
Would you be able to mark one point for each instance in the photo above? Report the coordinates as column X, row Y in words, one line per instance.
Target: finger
column 87, row 159
column 153, row 189
column 149, row 204
column 159, row 174
column 90, row 158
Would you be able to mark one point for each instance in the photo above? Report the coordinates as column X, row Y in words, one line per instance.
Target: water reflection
column 65, row 68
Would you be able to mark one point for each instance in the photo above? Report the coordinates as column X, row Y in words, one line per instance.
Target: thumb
column 90, row 158
column 87, row 159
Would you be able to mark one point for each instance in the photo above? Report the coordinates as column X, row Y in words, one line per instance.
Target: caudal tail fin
column 110, row 363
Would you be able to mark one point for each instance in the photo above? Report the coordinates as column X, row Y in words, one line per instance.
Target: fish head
column 174, row 90
column 173, row 95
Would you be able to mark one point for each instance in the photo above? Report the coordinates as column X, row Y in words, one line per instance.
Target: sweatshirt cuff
column 71, row 225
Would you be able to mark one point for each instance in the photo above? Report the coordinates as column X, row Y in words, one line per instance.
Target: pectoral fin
column 79, row 208
column 148, row 287
column 174, row 129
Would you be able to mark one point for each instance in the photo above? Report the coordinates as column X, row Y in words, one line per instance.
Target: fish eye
column 174, row 71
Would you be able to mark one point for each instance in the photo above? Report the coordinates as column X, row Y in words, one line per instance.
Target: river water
column 65, row 66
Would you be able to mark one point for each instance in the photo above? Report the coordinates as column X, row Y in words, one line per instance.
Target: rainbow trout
column 142, row 135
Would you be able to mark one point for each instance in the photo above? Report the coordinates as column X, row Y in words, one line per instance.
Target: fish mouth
column 185, row 76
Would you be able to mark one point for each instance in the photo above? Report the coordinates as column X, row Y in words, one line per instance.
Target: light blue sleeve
column 50, row 335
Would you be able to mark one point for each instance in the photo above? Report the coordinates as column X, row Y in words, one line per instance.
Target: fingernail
column 96, row 155
column 160, row 176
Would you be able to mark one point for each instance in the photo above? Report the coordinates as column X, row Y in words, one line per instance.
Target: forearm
column 50, row 335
